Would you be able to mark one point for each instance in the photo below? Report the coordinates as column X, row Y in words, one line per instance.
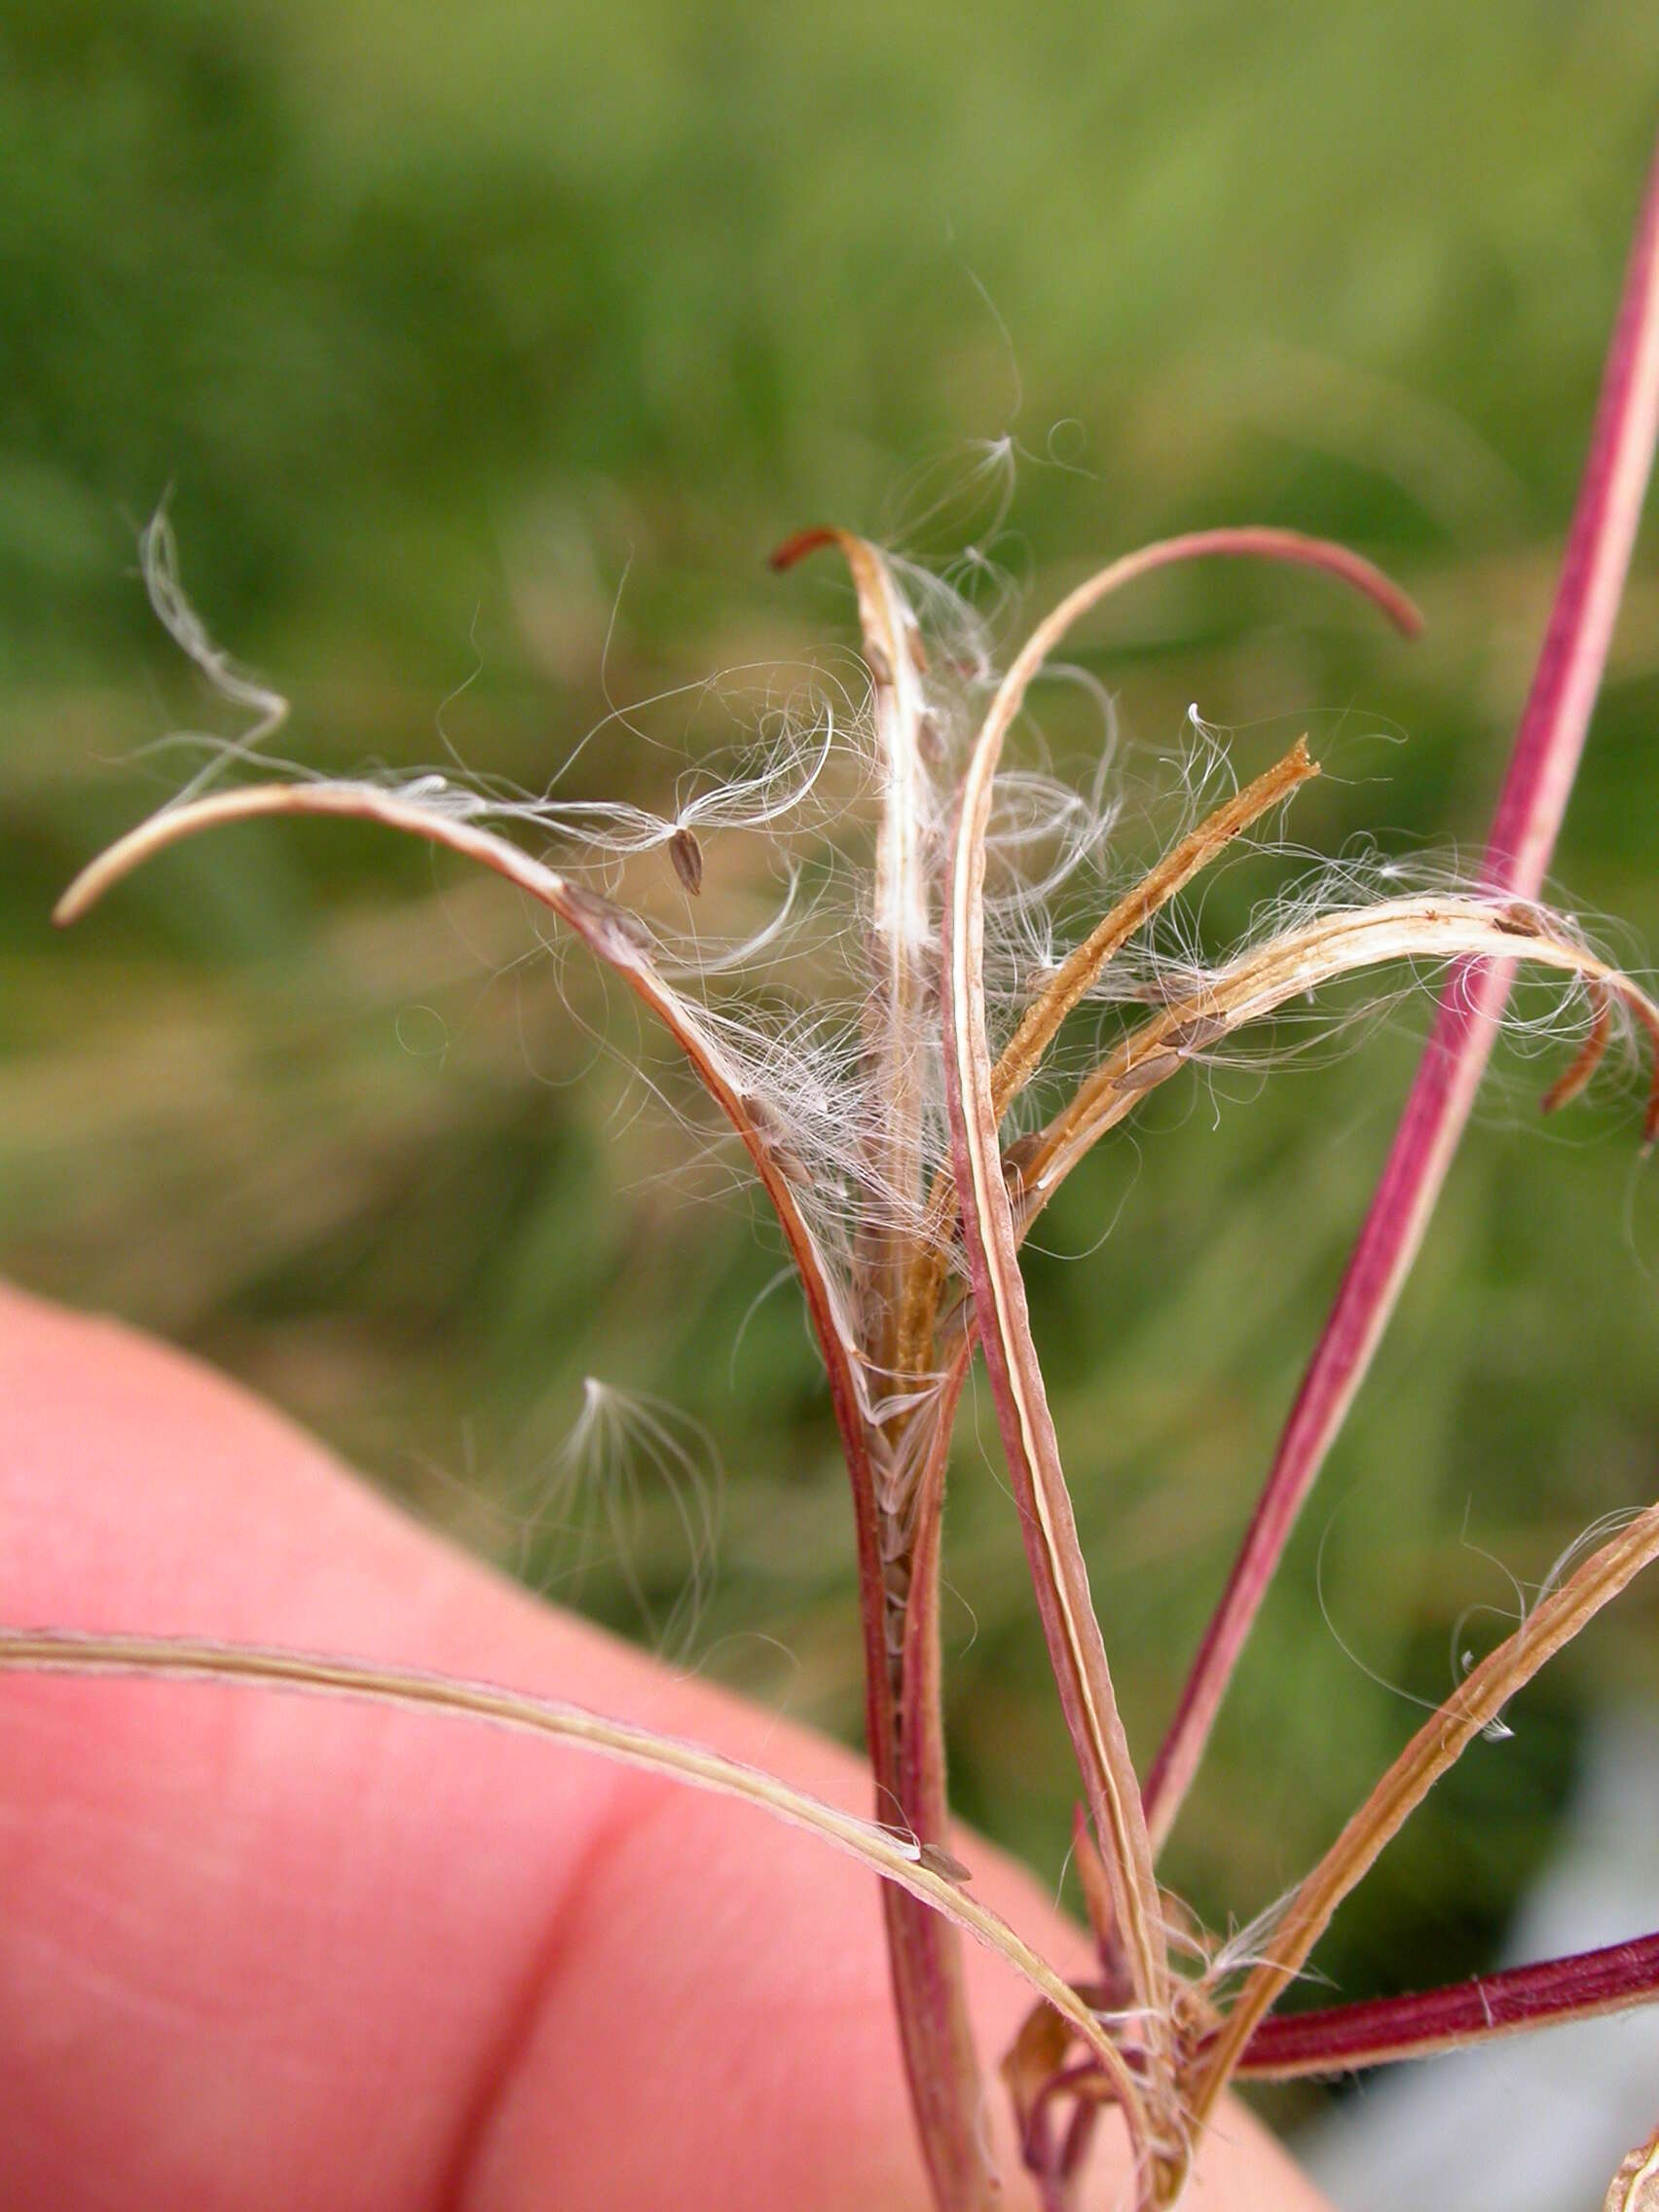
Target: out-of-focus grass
column 433, row 325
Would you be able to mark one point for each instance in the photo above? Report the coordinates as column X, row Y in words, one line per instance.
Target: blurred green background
column 430, row 325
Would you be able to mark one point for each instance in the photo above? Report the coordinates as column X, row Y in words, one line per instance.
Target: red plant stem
column 929, row 1994
column 1057, row 2166
column 1541, row 770
column 1382, row 2031
column 1339, row 2037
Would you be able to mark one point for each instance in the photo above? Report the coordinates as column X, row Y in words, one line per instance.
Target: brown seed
column 1143, row 1074
column 938, row 1861
column 1017, row 1156
column 1193, row 1036
column 1517, row 920
column 917, row 651
column 687, row 854
column 611, row 929
column 774, row 1142
column 878, row 664
column 930, row 738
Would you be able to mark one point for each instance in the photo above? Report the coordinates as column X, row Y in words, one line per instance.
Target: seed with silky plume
column 687, row 854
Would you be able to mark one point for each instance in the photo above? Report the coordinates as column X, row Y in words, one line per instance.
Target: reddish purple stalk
column 1339, row 2037
column 1380, row 2030
column 1542, row 767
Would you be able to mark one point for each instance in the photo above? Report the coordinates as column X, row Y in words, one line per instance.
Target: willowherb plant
column 894, row 1051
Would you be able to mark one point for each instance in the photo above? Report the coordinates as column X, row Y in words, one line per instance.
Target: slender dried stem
column 610, row 934
column 1059, row 1575
column 1285, row 970
column 1590, row 1054
column 929, row 1994
column 900, row 1859
column 1082, row 967
column 1041, row 1022
column 614, row 938
column 899, row 928
column 1286, row 967
column 1535, row 791
column 1076, row 1650
column 1477, row 1701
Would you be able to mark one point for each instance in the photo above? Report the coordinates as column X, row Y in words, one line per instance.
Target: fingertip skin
column 259, row 1949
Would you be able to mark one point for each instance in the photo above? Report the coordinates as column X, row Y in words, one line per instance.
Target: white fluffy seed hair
column 779, row 777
